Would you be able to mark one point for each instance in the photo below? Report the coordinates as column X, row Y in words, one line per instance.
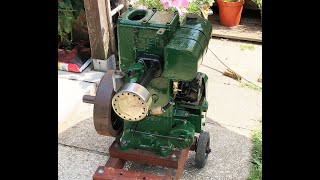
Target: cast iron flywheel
column 105, row 120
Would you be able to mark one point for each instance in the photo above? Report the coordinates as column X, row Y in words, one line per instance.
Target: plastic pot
column 230, row 12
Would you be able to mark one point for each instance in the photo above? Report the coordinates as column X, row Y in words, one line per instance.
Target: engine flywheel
column 106, row 121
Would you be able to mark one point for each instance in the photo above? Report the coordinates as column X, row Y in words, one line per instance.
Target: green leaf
column 69, row 18
column 62, row 5
column 67, row 26
column 194, row 8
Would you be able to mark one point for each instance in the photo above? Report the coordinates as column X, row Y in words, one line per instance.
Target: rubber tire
column 202, row 145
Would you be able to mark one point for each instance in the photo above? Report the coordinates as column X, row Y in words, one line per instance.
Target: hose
column 230, row 68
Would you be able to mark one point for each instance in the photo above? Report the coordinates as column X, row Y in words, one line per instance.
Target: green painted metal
column 135, row 72
column 183, row 134
column 158, row 126
column 186, row 48
column 180, row 49
column 195, row 114
column 148, row 35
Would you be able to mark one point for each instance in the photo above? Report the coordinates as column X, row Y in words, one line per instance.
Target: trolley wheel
column 203, row 149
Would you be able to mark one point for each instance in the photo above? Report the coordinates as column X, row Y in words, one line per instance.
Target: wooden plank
column 250, row 29
column 115, row 163
column 108, row 173
column 237, row 37
column 111, row 28
column 182, row 162
column 98, row 29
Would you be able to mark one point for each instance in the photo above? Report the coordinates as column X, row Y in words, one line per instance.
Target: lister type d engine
column 157, row 100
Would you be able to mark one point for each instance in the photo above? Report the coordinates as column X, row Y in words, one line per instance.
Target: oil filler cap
column 191, row 16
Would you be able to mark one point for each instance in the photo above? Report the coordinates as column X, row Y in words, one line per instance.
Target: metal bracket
column 104, row 65
column 113, row 169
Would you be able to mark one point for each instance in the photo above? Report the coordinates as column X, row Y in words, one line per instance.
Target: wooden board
column 98, row 29
column 250, row 29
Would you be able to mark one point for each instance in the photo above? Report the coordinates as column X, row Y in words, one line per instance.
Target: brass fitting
column 175, row 89
column 156, row 111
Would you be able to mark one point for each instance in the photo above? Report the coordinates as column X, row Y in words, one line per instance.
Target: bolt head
column 124, row 142
column 100, row 171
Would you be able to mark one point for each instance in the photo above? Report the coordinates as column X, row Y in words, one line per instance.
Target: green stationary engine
column 158, row 97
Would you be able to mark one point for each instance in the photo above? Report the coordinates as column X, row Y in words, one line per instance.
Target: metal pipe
column 168, row 105
column 124, row 2
column 159, row 110
column 148, row 76
column 88, row 99
column 117, row 9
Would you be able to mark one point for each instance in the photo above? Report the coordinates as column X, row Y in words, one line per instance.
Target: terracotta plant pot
column 230, row 12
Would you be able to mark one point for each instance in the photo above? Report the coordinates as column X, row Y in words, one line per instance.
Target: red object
column 230, row 12
column 75, row 60
column 117, row 158
column 66, row 57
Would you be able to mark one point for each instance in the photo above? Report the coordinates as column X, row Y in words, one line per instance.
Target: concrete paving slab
column 71, row 88
column 70, row 107
column 84, row 135
column 231, row 105
column 247, row 63
column 234, row 106
column 77, row 164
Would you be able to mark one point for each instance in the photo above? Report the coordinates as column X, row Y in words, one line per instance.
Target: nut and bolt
column 100, row 171
column 124, row 142
column 155, row 97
